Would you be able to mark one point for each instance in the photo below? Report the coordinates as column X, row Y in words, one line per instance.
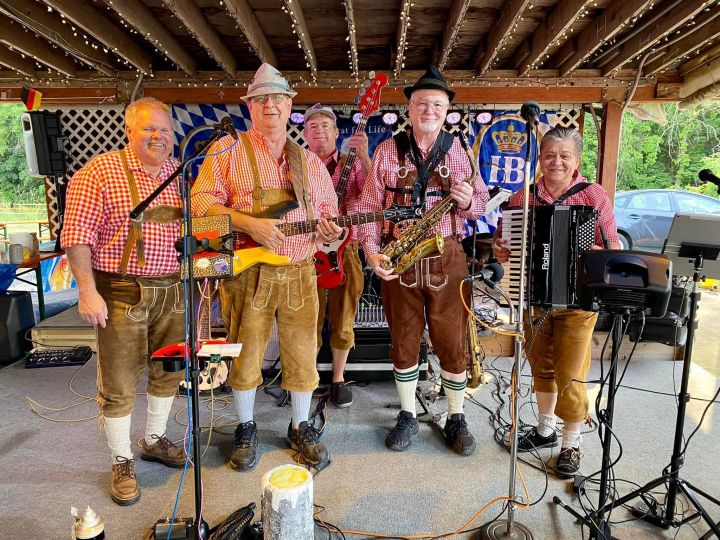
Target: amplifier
column 16, row 319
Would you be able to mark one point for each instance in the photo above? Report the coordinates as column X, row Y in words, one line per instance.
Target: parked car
column 644, row 216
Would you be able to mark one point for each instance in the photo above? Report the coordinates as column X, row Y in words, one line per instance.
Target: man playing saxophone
column 427, row 167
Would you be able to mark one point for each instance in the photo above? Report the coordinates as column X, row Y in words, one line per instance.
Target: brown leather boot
column 124, row 488
column 163, row 451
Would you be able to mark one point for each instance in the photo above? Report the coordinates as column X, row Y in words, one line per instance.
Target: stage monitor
column 44, row 143
column 689, row 235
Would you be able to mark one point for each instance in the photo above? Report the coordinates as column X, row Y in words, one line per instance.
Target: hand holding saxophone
column 376, row 261
column 462, row 192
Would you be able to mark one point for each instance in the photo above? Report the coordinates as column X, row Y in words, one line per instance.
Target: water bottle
column 87, row 526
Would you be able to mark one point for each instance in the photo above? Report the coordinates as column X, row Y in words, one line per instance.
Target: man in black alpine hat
column 422, row 167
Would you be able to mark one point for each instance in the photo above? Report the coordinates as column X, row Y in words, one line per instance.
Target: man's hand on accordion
column 500, row 250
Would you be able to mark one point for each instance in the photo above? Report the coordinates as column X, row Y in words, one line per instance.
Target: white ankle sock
column 245, row 404
column 571, row 435
column 117, row 431
column 158, row 411
column 300, row 407
column 546, row 424
column 406, row 383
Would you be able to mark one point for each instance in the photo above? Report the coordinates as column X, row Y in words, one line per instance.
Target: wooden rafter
column 709, row 92
column 700, row 60
column 300, row 28
column 104, row 30
column 143, row 20
column 402, row 31
column 705, row 30
column 39, row 20
column 645, row 40
column 15, row 61
column 193, row 19
column 552, row 29
column 14, row 35
column 352, row 38
column 456, row 18
column 613, row 19
column 498, row 36
column 245, row 18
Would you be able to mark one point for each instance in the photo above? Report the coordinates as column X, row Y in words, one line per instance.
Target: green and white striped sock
column 406, row 382
column 455, row 392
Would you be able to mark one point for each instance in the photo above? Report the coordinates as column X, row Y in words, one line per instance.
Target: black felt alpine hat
column 431, row 79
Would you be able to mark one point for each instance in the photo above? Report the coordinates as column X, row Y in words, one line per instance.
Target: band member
column 560, row 354
column 262, row 169
column 340, row 302
column 128, row 281
column 428, row 292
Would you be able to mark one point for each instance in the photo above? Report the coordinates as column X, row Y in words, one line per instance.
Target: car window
column 621, row 202
column 690, row 204
column 650, row 201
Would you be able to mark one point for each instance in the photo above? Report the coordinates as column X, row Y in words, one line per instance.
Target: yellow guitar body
column 245, row 258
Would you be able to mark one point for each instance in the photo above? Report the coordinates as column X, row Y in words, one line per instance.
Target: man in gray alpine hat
column 263, row 170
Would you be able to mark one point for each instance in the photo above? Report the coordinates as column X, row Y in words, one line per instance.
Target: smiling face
column 270, row 117
column 150, row 136
column 427, row 109
column 558, row 161
column 321, row 135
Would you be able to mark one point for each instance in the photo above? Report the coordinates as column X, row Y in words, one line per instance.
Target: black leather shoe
column 568, row 462
column 400, row 437
column 457, row 435
column 341, row 395
column 244, row 457
column 535, row 441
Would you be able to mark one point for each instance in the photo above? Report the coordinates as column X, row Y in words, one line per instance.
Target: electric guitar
column 328, row 259
column 247, row 252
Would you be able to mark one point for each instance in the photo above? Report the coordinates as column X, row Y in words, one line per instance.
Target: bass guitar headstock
column 370, row 100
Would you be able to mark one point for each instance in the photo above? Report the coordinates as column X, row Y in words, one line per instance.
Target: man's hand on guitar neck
column 359, row 141
column 328, row 231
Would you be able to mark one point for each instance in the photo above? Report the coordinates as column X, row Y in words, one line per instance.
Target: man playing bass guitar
column 340, row 302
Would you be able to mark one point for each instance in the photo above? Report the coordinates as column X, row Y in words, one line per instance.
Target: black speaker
column 16, row 318
column 44, row 143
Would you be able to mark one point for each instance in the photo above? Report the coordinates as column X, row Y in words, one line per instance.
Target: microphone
column 706, row 175
column 491, row 274
column 227, row 126
column 530, row 111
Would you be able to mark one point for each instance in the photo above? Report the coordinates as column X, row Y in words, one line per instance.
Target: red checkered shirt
column 355, row 182
column 97, row 214
column 384, row 173
column 593, row 195
column 227, row 179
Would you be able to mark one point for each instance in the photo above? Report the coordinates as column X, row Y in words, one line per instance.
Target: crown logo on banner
column 510, row 141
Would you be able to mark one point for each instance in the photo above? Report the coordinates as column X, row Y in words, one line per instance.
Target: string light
column 454, row 33
column 402, row 38
column 298, row 24
column 351, row 38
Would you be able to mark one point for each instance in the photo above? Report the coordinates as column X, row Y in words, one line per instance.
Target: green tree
column 16, row 185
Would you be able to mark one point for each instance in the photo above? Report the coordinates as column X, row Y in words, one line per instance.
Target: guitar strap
column 577, row 188
column 262, row 197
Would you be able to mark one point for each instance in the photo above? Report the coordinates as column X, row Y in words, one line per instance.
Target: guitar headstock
column 370, row 100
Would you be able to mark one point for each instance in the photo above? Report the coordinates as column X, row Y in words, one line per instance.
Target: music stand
column 686, row 253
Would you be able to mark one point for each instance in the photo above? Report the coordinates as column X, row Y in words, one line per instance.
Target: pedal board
column 39, row 358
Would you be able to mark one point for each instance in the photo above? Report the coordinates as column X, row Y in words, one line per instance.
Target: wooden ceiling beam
column 650, row 37
column 112, row 36
column 142, row 19
column 14, row 35
column 503, row 29
column 193, row 19
column 552, row 29
column 245, row 18
column 15, row 61
column 456, row 18
column 301, row 30
column 401, row 37
column 707, row 56
column 705, row 30
column 39, row 20
column 352, row 38
column 607, row 25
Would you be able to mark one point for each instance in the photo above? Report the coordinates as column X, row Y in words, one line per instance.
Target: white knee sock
column 406, row 383
column 454, row 385
column 300, row 407
column 571, row 435
column 117, row 431
column 245, row 404
column 546, row 424
column 158, row 411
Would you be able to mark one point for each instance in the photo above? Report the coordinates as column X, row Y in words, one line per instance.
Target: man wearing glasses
column 262, row 169
column 422, row 167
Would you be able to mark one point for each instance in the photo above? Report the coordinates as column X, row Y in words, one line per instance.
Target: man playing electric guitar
column 340, row 302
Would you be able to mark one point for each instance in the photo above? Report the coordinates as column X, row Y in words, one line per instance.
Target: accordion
column 557, row 235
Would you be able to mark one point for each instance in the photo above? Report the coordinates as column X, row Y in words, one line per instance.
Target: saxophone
column 411, row 245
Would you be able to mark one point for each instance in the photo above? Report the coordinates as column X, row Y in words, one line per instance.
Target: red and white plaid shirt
column 227, row 179
column 593, row 195
column 384, row 173
column 355, row 182
column 97, row 213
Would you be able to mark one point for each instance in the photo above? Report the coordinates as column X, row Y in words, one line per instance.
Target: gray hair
column 146, row 103
column 558, row 134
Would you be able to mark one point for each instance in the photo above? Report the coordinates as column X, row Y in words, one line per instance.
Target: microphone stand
column 512, row 529
column 199, row 529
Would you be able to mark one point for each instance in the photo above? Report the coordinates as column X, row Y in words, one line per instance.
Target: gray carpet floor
column 50, row 464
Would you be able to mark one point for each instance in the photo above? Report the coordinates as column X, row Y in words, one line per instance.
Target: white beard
column 428, row 126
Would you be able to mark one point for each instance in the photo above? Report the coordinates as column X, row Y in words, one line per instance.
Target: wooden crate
column 65, row 329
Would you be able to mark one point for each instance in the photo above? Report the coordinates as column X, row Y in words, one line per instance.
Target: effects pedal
column 181, row 529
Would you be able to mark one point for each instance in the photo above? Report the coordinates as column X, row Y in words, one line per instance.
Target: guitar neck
column 345, row 174
column 304, row 227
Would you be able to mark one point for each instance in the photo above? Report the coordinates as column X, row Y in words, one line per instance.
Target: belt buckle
column 258, row 193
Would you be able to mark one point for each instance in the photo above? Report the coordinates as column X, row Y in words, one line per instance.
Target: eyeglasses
column 435, row 106
column 262, row 100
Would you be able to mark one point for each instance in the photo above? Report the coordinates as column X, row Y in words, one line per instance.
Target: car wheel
column 625, row 242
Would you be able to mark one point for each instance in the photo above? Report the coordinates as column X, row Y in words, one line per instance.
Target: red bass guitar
column 328, row 259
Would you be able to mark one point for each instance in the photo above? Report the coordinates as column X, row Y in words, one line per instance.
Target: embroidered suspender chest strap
column 135, row 233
